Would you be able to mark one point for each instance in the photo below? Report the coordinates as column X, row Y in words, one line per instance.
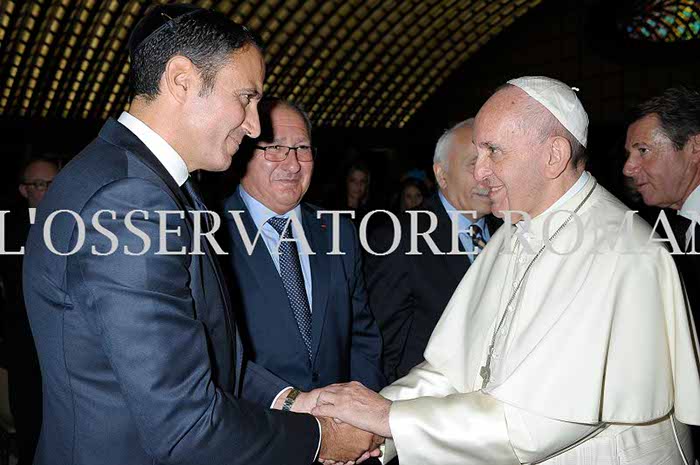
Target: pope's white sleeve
column 422, row 380
column 535, row 438
column 459, row 429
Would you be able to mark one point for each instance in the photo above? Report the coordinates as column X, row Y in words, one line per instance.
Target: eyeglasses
column 279, row 153
column 39, row 185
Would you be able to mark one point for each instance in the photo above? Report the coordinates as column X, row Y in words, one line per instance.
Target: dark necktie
column 193, row 193
column 293, row 279
column 679, row 226
column 476, row 236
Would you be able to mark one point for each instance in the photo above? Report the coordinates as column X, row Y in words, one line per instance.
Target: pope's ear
column 557, row 156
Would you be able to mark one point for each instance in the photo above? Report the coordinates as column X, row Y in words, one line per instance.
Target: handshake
column 354, row 421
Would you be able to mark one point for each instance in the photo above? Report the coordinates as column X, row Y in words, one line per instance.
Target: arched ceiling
column 356, row 63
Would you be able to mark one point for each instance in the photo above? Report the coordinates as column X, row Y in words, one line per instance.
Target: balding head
column 453, row 165
column 36, row 178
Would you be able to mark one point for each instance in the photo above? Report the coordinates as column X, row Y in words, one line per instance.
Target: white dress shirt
column 690, row 208
column 261, row 214
column 163, row 151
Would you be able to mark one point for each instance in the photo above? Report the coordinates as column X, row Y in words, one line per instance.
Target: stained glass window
column 665, row 20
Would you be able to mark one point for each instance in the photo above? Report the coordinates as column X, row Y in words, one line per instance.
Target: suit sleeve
column 142, row 309
column 366, row 342
column 261, row 385
column 390, row 298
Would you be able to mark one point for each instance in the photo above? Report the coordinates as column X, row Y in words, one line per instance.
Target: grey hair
column 443, row 142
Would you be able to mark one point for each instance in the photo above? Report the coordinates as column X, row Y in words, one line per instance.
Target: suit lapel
column 318, row 234
column 118, row 134
column 261, row 265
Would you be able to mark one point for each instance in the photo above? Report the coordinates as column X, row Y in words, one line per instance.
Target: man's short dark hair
column 678, row 110
column 205, row 37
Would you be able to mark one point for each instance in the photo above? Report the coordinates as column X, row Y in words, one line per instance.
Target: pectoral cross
column 485, row 371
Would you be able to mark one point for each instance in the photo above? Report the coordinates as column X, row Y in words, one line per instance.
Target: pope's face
column 660, row 172
column 507, row 155
column 280, row 185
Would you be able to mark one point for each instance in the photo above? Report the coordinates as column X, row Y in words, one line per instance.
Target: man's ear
column 439, row 172
column 180, row 78
column 23, row 191
column 694, row 147
column 557, row 157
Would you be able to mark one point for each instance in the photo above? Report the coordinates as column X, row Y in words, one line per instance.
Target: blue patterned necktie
column 197, row 202
column 293, row 279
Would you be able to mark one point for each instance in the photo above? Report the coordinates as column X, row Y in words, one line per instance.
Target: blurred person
column 139, row 349
column 357, row 182
column 408, row 292
column 305, row 316
column 663, row 162
column 543, row 356
column 24, row 375
column 412, row 192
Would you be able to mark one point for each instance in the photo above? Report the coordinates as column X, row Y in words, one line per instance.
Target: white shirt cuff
column 320, row 436
column 274, row 401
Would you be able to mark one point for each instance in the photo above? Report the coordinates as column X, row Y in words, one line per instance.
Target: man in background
column 24, row 375
column 663, row 161
column 305, row 317
column 409, row 292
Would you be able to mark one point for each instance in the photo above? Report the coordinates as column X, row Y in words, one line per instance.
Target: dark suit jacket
column 408, row 293
column 139, row 355
column 346, row 341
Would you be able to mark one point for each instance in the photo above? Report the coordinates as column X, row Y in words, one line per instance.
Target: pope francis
column 568, row 341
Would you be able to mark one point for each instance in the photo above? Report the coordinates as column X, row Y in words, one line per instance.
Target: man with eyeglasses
column 36, row 180
column 24, row 376
column 306, row 316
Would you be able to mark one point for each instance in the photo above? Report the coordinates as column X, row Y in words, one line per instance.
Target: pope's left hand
column 355, row 404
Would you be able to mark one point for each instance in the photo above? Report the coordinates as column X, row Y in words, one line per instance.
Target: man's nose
column 481, row 170
column 631, row 166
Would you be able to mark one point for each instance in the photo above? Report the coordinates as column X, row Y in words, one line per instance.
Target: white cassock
column 595, row 352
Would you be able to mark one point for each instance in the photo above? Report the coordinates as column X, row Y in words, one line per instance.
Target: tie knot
column 474, row 230
column 280, row 225
column 476, row 235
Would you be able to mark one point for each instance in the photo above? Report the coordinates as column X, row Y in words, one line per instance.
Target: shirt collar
column 165, row 154
column 464, row 220
column 691, row 204
column 259, row 212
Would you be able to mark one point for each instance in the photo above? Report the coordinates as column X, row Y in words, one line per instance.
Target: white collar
column 165, row 154
column 691, row 204
column 573, row 190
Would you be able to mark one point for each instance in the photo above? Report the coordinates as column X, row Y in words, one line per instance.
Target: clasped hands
column 354, row 421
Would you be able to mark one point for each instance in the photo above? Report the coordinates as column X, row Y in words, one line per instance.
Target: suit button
column 314, row 377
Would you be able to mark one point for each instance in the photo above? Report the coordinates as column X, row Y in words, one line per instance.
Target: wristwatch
column 289, row 401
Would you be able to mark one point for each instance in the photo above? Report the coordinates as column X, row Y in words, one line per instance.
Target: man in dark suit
column 663, row 161
column 140, row 357
column 409, row 291
column 305, row 316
